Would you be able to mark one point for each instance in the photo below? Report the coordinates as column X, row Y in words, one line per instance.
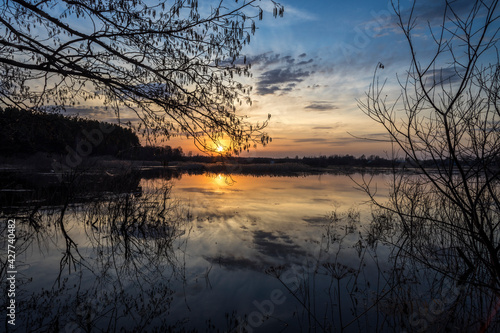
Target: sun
column 220, row 149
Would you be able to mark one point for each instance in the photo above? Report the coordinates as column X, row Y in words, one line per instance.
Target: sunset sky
column 310, row 67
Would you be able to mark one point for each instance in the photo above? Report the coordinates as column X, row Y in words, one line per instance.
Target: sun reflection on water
column 223, row 180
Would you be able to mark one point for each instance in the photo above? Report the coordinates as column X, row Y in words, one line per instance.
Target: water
column 215, row 252
column 242, row 225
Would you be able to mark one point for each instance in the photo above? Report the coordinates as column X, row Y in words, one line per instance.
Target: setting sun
column 220, row 149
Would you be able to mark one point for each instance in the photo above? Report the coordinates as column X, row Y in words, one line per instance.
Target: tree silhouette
column 446, row 124
column 28, row 132
column 173, row 63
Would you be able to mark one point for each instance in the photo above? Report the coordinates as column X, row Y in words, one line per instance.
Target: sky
column 313, row 67
column 309, row 67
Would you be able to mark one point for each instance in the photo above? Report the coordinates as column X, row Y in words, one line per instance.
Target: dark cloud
column 289, row 60
column 315, row 86
column 99, row 113
column 123, row 120
column 267, row 90
column 263, row 60
column 317, row 220
column 280, row 79
column 201, row 190
column 279, row 76
column 268, row 59
column 305, row 62
column 333, row 126
column 237, row 263
column 289, row 87
column 321, row 106
column 378, row 135
column 96, row 112
column 306, row 187
column 321, row 200
column 281, row 73
column 276, row 246
column 270, row 245
column 310, row 140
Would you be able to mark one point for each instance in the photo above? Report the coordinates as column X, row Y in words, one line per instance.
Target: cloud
column 201, row 190
column 265, row 59
column 279, row 73
column 443, row 75
column 269, row 59
column 261, row 90
column 270, row 247
column 280, row 79
column 343, row 140
column 305, row 62
column 322, row 127
column 365, row 138
column 425, row 12
column 293, row 14
column 383, row 24
column 321, row 106
column 431, row 10
column 308, row 140
column 274, row 246
column 237, row 263
column 87, row 111
column 316, row 86
column 289, row 87
column 316, row 220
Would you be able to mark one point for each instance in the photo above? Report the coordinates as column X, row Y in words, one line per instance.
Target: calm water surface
column 242, row 225
column 243, row 252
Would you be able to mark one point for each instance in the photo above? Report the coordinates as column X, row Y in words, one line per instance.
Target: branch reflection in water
column 119, row 254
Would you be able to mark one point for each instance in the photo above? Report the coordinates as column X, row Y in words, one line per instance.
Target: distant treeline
column 153, row 153
column 315, row 162
column 372, row 161
column 347, row 161
column 28, row 132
